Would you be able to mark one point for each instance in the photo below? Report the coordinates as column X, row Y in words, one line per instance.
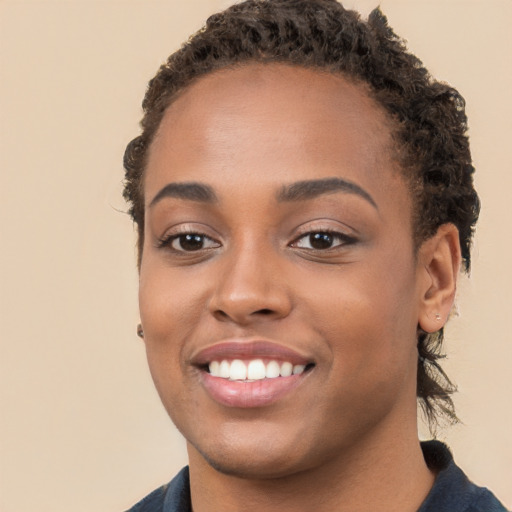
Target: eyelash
column 344, row 240
column 168, row 240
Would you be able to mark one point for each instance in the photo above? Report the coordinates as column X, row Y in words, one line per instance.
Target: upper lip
column 248, row 349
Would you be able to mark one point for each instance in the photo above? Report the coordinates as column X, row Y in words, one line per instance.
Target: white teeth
column 286, row 369
column 253, row 370
column 298, row 368
column 272, row 370
column 237, row 370
column 256, row 370
column 224, row 370
column 215, row 368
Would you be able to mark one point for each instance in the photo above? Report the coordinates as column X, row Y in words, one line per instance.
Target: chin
column 271, row 466
column 256, row 458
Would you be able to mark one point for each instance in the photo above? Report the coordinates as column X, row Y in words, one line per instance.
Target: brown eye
column 323, row 240
column 190, row 242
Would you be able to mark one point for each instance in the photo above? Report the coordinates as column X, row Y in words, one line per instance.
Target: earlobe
column 439, row 258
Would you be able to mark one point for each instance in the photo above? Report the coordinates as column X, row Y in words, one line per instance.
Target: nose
column 251, row 288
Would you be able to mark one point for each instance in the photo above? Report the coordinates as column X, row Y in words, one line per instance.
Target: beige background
column 81, row 426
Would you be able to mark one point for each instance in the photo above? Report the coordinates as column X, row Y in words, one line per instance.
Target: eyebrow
column 309, row 189
column 192, row 191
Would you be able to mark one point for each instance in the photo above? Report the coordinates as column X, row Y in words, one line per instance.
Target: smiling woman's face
column 278, row 235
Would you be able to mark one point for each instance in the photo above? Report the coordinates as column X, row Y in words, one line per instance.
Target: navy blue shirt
column 452, row 490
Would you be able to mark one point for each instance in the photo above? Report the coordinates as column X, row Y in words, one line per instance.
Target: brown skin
column 346, row 437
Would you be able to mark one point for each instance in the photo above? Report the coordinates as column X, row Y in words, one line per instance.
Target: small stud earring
column 140, row 332
column 438, row 317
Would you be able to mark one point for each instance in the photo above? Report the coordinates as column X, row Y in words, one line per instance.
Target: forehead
column 271, row 119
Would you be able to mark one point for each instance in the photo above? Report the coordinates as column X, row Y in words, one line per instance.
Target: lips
column 250, row 374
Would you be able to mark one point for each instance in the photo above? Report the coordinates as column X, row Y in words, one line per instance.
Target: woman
column 304, row 200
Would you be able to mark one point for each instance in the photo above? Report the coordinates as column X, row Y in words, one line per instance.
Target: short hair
column 430, row 124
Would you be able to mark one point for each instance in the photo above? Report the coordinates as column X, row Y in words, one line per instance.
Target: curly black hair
column 429, row 118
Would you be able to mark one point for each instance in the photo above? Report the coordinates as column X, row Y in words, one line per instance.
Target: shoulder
column 452, row 490
column 486, row 502
column 153, row 502
column 171, row 497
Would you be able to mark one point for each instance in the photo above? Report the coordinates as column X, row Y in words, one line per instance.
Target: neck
column 377, row 475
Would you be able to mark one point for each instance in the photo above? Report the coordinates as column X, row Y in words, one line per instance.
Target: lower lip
column 259, row 393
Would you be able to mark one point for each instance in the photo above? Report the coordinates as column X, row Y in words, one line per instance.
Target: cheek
column 171, row 305
column 170, row 300
column 368, row 313
column 169, row 310
column 370, row 328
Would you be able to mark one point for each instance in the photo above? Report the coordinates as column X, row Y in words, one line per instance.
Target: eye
column 188, row 242
column 322, row 240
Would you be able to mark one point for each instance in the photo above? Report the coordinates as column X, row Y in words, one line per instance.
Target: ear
column 439, row 262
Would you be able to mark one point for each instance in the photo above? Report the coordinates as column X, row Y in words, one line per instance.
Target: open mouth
column 246, row 374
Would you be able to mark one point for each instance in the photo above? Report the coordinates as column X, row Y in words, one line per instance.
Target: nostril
column 264, row 311
column 244, row 316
